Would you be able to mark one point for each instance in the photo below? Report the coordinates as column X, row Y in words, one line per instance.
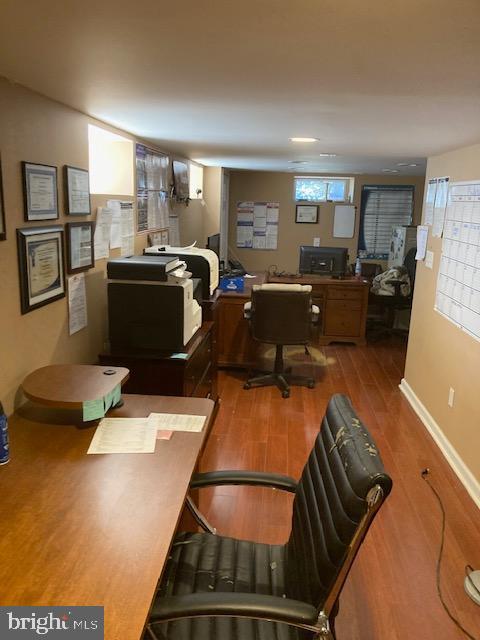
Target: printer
column 202, row 263
column 151, row 304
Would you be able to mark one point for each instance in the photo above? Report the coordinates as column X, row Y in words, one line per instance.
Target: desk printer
column 150, row 306
column 202, row 263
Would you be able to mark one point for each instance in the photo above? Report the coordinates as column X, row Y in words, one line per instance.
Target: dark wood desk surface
column 79, row 529
column 306, row 278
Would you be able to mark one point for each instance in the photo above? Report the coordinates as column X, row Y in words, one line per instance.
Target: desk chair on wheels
column 218, row 588
column 390, row 304
column 281, row 314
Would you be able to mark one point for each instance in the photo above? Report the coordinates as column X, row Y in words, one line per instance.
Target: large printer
column 151, row 304
column 202, row 263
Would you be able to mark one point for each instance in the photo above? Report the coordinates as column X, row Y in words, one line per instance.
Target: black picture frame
column 76, row 246
column 3, row 230
column 41, row 266
column 38, row 205
column 77, row 199
column 306, row 213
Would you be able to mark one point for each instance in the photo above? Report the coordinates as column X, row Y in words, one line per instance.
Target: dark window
column 382, row 207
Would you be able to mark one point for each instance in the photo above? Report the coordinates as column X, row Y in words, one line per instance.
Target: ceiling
column 228, row 83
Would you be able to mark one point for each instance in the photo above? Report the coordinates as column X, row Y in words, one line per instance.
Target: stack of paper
column 139, row 435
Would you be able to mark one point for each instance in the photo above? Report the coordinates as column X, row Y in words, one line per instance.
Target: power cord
column 424, row 474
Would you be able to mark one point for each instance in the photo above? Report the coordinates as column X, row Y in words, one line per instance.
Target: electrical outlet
column 451, row 397
column 316, row 242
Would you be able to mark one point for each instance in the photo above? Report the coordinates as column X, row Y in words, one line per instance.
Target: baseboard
column 464, row 474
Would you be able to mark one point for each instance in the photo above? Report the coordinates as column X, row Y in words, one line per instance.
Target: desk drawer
column 343, row 318
column 198, row 365
column 345, row 293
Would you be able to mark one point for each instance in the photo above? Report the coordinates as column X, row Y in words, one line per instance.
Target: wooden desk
column 92, row 530
column 194, row 373
column 343, row 314
column 343, row 306
column 235, row 347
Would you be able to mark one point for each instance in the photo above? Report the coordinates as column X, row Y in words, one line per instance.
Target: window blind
column 383, row 207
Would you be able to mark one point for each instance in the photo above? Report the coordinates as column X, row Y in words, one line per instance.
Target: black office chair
column 217, row 588
column 390, row 304
column 281, row 314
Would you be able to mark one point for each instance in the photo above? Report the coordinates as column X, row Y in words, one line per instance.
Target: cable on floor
column 424, row 474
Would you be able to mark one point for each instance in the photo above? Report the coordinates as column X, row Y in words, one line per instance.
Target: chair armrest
column 247, row 310
column 245, row 605
column 252, row 478
column 315, row 313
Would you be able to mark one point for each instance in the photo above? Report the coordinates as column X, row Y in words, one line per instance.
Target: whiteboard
column 344, row 221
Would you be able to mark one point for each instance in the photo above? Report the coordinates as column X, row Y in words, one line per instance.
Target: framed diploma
column 3, row 234
column 307, row 213
column 79, row 236
column 40, row 261
column 77, row 191
column 40, row 191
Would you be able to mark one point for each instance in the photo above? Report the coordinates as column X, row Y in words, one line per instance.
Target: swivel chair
column 397, row 302
column 281, row 314
column 218, row 588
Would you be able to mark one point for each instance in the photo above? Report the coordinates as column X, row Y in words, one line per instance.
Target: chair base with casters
column 219, row 588
column 280, row 376
column 281, row 315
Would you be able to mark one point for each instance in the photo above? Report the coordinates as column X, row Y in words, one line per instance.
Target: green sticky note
column 116, row 395
column 93, row 409
column 108, row 401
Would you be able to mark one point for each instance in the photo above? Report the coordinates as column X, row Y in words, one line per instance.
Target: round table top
column 68, row 386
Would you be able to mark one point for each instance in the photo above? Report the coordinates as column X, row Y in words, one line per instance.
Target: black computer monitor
column 213, row 243
column 328, row 261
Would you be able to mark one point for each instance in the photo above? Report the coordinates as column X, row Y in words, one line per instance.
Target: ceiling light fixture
column 327, row 155
column 414, row 164
column 303, row 139
column 390, row 170
column 298, row 161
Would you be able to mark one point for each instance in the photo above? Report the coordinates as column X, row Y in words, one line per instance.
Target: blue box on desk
column 232, row 283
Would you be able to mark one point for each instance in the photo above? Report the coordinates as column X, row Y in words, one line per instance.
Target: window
column 110, row 162
column 382, row 207
column 196, row 181
column 323, row 189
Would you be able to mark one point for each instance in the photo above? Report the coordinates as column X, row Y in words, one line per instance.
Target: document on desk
column 123, row 435
column 175, row 422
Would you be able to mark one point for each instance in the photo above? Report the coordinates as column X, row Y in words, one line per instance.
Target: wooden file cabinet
column 193, row 374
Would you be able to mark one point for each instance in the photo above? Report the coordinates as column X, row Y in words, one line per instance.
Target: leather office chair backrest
column 410, row 265
column 282, row 314
column 340, row 479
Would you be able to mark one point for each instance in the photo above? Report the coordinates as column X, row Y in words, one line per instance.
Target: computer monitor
column 328, row 261
column 213, row 243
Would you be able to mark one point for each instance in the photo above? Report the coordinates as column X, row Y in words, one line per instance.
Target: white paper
column 115, row 228
column 257, row 225
column 127, row 247
column 441, row 198
column 422, row 237
column 77, row 303
column 430, row 201
column 429, row 259
column 123, row 435
column 78, row 191
column 174, row 232
column 344, row 221
column 102, row 233
column 175, row 422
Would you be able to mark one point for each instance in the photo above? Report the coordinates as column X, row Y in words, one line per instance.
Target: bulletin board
column 153, row 205
column 458, row 284
column 257, row 225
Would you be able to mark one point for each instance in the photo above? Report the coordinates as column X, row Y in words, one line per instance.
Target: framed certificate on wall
column 79, row 237
column 40, row 261
column 77, row 191
column 40, row 191
column 306, row 213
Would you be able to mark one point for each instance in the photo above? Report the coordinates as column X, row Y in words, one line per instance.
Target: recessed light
column 303, row 139
column 390, row 170
column 413, row 164
column 327, row 155
column 298, row 161
column 402, row 164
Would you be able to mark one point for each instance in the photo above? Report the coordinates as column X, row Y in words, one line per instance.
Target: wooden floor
column 390, row 593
